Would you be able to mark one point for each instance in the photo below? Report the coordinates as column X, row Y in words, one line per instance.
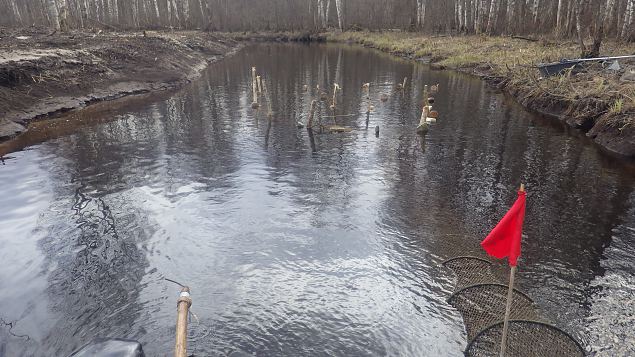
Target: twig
column 11, row 326
column 175, row 282
column 525, row 38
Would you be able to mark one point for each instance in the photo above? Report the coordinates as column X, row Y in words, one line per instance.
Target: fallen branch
column 525, row 38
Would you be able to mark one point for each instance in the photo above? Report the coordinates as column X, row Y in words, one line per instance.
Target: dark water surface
column 306, row 246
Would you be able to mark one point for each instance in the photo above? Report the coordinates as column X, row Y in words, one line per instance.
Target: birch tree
column 340, row 14
column 609, row 18
column 54, row 14
column 421, row 12
column 511, row 16
column 493, row 17
column 628, row 18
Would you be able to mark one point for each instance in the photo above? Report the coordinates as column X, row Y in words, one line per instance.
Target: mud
column 44, row 73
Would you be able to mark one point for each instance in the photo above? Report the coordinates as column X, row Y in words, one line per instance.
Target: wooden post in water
column 366, row 86
column 182, row 308
column 334, row 105
column 254, row 87
column 335, row 88
column 425, row 95
column 403, row 85
column 510, row 297
column 259, row 85
column 268, row 99
column 309, row 124
column 422, row 128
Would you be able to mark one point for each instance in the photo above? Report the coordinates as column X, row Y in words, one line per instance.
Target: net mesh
column 524, row 339
column 484, row 305
column 481, row 300
column 470, row 271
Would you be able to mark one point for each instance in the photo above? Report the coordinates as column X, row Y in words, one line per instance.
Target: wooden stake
column 182, row 307
column 369, row 104
column 254, row 87
column 424, row 115
column 510, row 297
column 405, row 80
column 335, row 88
column 334, row 105
column 309, row 124
column 259, row 85
column 268, row 99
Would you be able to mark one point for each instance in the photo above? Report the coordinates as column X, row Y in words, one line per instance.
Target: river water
column 298, row 245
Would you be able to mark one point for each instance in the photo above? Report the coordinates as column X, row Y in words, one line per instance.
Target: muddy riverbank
column 600, row 103
column 42, row 74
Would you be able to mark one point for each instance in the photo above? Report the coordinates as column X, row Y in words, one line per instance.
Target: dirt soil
column 597, row 101
column 42, row 74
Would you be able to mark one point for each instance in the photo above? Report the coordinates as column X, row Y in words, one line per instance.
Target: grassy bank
column 599, row 102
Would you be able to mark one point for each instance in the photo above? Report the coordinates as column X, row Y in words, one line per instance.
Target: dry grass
column 463, row 51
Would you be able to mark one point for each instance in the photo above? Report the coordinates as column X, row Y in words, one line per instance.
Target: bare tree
column 572, row 18
column 340, row 14
column 54, row 14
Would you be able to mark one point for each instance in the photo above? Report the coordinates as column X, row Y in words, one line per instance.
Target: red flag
column 504, row 240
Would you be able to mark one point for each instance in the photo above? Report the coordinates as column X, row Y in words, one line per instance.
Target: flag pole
column 510, row 296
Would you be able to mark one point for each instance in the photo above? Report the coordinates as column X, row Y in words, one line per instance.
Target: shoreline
column 43, row 76
column 586, row 102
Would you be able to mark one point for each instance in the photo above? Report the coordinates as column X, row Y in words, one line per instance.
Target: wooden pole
column 510, row 297
column 334, row 105
column 259, row 85
column 335, row 88
column 309, row 124
column 268, row 99
column 182, row 307
column 368, row 107
column 254, row 86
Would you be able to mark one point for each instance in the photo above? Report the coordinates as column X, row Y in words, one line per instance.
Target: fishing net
column 481, row 300
column 524, row 339
column 470, row 271
column 483, row 305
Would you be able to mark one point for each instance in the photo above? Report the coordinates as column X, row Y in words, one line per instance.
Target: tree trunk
column 17, row 17
column 493, row 17
column 156, row 10
column 54, row 15
column 578, row 26
column 186, row 13
column 628, row 18
column 421, row 13
column 467, row 16
column 320, row 13
column 340, row 14
column 607, row 19
column 598, row 35
column 559, row 15
column 482, row 15
column 511, row 17
column 535, row 14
